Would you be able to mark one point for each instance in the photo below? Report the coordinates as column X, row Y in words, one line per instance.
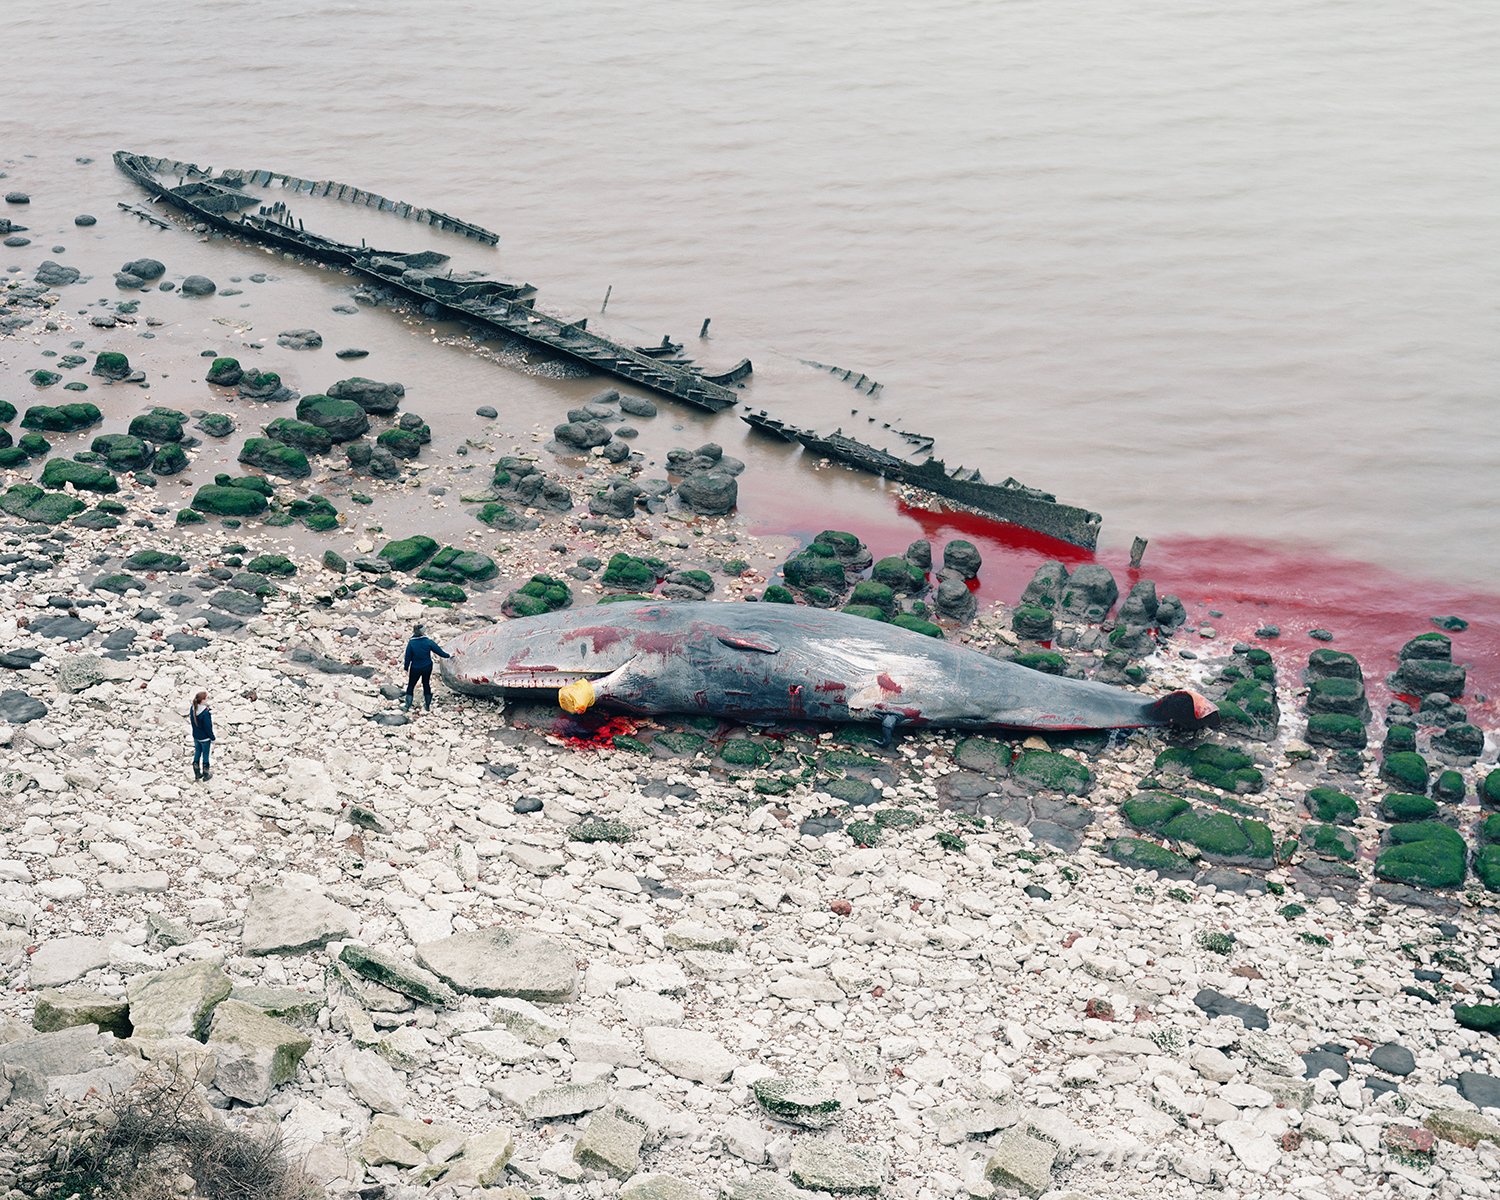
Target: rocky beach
column 493, row 951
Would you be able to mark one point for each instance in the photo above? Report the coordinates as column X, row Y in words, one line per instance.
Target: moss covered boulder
column 229, row 501
column 452, row 565
column 1482, row 1018
column 31, row 503
column 1487, row 853
column 1424, row 854
column 261, row 385
column 1221, row 835
column 1146, row 855
column 1032, row 622
column 155, row 560
column 1048, row 662
column 903, row 620
column 122, row 451
column 817, row 566
column 7, row 412
column 225, row 372
column 275, row 458
column 84, row 477
column 744, row 752
column 1328, row 841
column 540, row 594
column 1217, row 765
column 1406, row 770
column 1331, row 805
column 1337, row 694
column 62, row 418
column 159, row 425
column 1053, row 772
column 44, row 378
column 900, row 575
column 1488, row 789
column 628, row 571
column 1401, row 807
column 169, row 459
column 12, row 457
column 408, row 554
column 310, row 439
column 403, row 443
column 111, row 364
column 1338, row 730
column 343, row 420
column 1153, row 810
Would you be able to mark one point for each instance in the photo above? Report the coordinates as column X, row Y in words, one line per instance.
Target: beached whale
column 759, row 662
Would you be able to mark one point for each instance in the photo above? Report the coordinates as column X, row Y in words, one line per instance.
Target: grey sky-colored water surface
column 1218, row 269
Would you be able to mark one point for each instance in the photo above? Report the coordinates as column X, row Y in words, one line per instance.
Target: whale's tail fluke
column 1186, row 710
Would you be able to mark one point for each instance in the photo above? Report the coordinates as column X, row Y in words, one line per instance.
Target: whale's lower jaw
column 512, row 681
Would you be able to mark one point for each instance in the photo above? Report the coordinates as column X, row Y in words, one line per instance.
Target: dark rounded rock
column 962, row 558
column 710, row 494
column 637, row 406
column 343, row 419
column 1394, row 1059
column 527, row 804
column 199, row 285
column 582, row 435
column 54, row 274
column 380, row 399
column 226, row 372
column 145, row 269
column 85, row 219
column 17, row 198
column 954, row 599
column 485, row 410
column 297, row 339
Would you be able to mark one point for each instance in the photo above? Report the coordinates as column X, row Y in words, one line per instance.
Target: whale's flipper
column 1185, row 710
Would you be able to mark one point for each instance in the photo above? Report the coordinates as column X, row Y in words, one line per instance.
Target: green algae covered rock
column 868, row 611
column 83, row 476
column 540, row 594
column 343, row 420
column 1153, row 810
column 1331, row 842
column 744, row 752
column 1405, row 769
column 1222, row 835
column 627, row 571
column 907, row 621
column 812, row 569
column 222, row 501
column 899, row 575
column 1484, row 1018
column 409, row 553
column 1424, row 854
column 159, row 425
column 275, row 458
column 61, row 418
column 122, row 451
column 225, row 372
column 169, row 459
column 1331, row 805
column 1339, row 730
column 31, row 503
column 1052, row 771
column 776, row 594
column 1048, row 662
column 1145, row 855
column 311, row 439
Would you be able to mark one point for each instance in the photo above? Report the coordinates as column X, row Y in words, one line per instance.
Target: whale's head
column 537, row 654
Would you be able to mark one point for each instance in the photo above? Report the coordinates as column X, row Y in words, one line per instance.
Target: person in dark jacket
column 419, row 652
column 202, row 721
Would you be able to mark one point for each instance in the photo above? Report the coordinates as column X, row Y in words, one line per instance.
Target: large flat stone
column 283, row 920
column 255, row 1053
column 397, row 974
column 689, row 1053
column 57, row 1009
column 611, row 1144
column 503, row 962
column 1022, row 1161
column 62, row 960
column 178, row 1002
column 843, row 1168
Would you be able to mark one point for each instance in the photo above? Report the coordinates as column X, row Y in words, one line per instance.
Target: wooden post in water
column 607, row 292
column 1137, row 552
column 703, row 333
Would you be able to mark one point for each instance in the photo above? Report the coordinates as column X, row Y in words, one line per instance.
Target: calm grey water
column 1218, row 270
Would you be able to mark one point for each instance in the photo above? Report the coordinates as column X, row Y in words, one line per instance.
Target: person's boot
column 406, row 704
column 207, row 774
column 197, row 772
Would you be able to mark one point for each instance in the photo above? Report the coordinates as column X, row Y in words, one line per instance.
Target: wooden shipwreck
column 222, row 201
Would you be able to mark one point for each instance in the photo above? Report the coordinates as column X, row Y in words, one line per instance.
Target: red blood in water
column 1371, row 611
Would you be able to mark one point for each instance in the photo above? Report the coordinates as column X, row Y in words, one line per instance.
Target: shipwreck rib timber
column 1014, row 502
column 221, row 201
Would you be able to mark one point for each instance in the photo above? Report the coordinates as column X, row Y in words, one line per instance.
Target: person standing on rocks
column 419, row 652
column 202, row 720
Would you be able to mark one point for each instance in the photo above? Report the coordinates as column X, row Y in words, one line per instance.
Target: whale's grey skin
column 788, row 662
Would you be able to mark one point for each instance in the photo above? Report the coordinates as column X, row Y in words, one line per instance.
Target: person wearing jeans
column 419, row 652
column 202, row 721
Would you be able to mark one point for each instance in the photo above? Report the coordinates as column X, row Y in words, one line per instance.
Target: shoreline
column 961, row 1001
